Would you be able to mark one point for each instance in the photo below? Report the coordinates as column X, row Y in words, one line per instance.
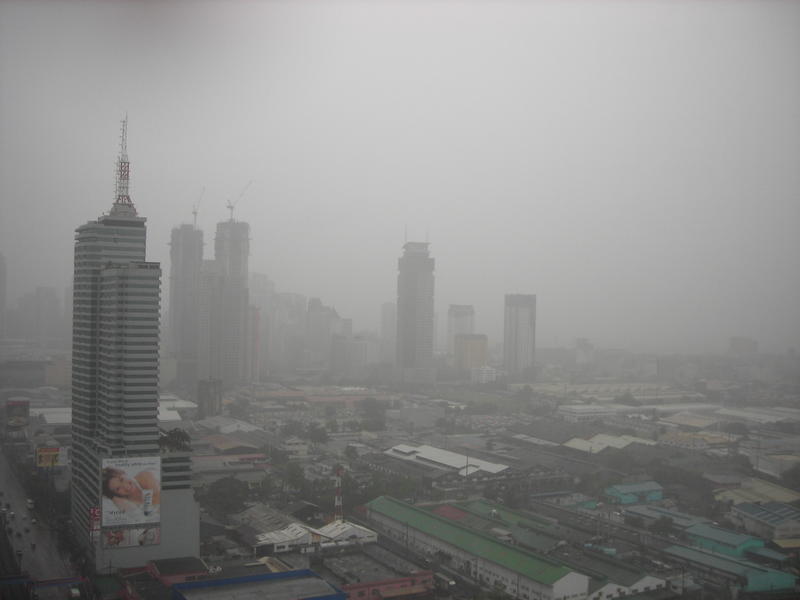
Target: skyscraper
column 519, row 341
column 460, row 320
column 415, row 282
column 115, row 397
column 186, row 259
column 232, row 252
column 388, row 332
column 2, row 296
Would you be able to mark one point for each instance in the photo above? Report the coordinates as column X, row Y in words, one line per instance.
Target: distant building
column 232, row 252
column 742, row 346
column 415, row 286
column 186, row 260
column 635, row 493
column 460, row 320
column 471, row 351
column 519, row 341
column 388, row 332
column 771, row 520
column 3, row 296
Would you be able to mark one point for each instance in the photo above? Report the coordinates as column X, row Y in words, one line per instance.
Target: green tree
column 226, row 496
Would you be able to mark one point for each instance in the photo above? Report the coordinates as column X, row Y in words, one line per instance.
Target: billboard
column 131, row 490
column 17, row 413
column 51, row 457
column 136, row 536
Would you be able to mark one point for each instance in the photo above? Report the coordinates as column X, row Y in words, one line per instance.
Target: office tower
column 460, row 320
column 2, row 296
column 232, row 252
column 322, row 322
column 388, row 332
column 415, row 283
column 519, row 341
column 262, row 297
column 186, row 259
column 115, row 398
column 742, row 346
column 471, row 351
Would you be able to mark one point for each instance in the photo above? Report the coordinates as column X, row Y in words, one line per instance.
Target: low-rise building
column 493, row 563
column 635, row 493
column 771, row 520
column 722, row 541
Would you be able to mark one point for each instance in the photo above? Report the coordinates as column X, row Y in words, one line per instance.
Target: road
column 44, row 562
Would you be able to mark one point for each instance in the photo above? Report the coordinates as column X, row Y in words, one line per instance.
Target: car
column 34, row 521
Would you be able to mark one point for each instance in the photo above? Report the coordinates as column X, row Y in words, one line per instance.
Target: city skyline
column 650, row 217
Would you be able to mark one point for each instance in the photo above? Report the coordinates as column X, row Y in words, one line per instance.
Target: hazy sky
column 635, row 164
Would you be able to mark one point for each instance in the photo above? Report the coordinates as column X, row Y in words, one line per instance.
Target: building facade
column 186, row 260
column 415, row 288
column 115, row 351
column 519, row 335
column 460, row 320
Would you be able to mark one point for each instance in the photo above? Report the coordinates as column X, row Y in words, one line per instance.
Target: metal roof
column 720, row 535
column 772, row 513
column 430, row 455
column 526, row 564
column 636, row 488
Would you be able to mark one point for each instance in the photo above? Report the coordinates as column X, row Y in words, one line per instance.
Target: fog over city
column 634, row 164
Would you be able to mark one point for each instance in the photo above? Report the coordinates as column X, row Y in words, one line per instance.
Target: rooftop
column 636, row 488
column 725, row 537
column 291, row 585
column 177, row 566
column 465, row 465
column 679, row 519
column 526, row 564
column 772, row 513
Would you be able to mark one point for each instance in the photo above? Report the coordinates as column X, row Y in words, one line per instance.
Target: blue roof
column 772, row 513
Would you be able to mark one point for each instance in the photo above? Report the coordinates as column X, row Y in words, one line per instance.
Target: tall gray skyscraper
column 415, row 284
column 388, row 332
column 115, row 398
column 460, row 320
column 2, row 297
column 186, row 259
column 223, row 311
column 519, row 341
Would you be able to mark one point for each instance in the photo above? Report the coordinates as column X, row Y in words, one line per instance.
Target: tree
column 175, row 439
column 791, row 477
column 662, row 526
column 295, row 477
column 317, row 434
column 293, row 428
column 226, row 496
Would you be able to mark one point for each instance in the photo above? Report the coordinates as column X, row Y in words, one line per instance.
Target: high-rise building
column 460, row 320
column 388, row 332
column 232, row 252
column 123, row 513
column 415, row 283
column 2, row 296
column 471, row 351
column 519, row 341
column 186, row 259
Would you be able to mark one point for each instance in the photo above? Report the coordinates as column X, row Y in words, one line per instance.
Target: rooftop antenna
column 232, row 205
column 122, row 200
column 196, row 206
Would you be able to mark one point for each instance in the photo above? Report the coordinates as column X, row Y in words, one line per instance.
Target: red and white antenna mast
column 338, row 508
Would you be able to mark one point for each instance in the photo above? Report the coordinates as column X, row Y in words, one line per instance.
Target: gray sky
column 635, row 164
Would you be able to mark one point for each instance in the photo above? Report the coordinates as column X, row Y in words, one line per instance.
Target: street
column 44, row 562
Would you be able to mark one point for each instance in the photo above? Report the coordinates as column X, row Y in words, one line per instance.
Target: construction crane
column 232, row 205
column 196, row 206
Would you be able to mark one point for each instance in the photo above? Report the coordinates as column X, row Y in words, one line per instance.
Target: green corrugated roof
column 484, row 508
column 480, row 545
column 721, row 535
